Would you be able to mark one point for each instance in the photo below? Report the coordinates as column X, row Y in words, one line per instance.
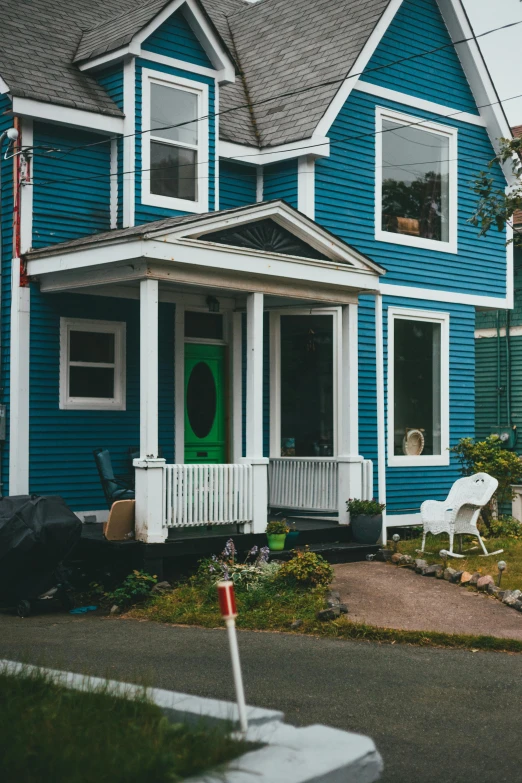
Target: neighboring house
column 499, row 361
column 241, row 240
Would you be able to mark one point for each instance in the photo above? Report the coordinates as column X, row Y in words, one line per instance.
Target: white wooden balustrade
column 310, row 483
column 207, row 494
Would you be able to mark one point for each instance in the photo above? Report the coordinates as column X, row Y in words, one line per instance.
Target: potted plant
column 276, row 531
column 365, row 520
column 291, row 536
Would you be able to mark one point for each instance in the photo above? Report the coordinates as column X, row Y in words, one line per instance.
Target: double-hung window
column 92, row 364
column 175, row 146
column 418, row 387
column 416, row 182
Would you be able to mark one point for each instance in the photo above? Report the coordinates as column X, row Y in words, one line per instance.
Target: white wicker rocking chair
column 459, row 513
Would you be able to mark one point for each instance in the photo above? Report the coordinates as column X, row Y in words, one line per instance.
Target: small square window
column 92, row 364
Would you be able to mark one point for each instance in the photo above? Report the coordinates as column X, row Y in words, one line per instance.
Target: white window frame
column 399, row 313
column 118, row 329
column 201, row 91
column 451, row 246
column 275, row 376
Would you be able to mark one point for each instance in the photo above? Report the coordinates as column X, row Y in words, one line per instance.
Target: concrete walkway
column 390, row 597
column 434, row 714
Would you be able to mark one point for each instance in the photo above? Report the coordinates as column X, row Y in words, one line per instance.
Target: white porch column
column 149, row 468
column 350, row 462
column 254, row 412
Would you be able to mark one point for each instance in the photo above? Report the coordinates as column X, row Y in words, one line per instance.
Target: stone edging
column 289, row 754
column 483, row 583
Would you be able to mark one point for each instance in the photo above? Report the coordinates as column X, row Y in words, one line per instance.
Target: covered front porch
column 265, row 391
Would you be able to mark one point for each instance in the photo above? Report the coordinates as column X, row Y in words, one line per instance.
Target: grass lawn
column 512, row 554
column 275, row 608
column 50, row 733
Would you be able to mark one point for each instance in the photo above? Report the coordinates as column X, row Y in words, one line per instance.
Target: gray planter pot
column 366, row 529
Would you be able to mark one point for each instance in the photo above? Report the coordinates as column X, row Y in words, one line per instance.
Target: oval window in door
column 201, row 399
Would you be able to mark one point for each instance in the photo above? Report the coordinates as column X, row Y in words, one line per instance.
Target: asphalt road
column 435, row 715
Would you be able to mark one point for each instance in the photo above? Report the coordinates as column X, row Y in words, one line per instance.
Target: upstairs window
column 416, row 182
column 175, row 150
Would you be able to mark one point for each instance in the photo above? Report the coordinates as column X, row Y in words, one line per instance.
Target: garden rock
column 465, row 578
column 511, row 597
column 343, row 608
column 456, row 577
column 396, row 557
column 420, row 565
column 474, row 579
column 431, row 570
column 115, row 609
column 384, row 555
column 484, row 582
column 161, row 587
column 440, row 573
column 335, row 595
column 296, row 624
column 329, row 614
column 518, row 606
column 407, row 560
column 449, row 573
column 494, row 590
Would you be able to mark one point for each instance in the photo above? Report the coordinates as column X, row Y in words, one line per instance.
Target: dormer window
column 175, row 149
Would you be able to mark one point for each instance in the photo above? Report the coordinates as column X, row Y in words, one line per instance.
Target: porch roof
column 246, row 247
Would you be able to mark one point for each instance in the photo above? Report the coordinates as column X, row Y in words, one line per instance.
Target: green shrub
column 365, row 507
column 249, row 574
column 277, row 527
column 134, row 588
column 505, row 527
column 306, row 569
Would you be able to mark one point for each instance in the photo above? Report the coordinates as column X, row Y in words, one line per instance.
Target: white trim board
column 435, row 129
column 444, row 297
column 419, row 103
column 319, row 146
column 306, row 185
column 403, row 520
column 63, row 115
column 129, row 143
column 514, row 331
column 27, row 190
column 443, row 319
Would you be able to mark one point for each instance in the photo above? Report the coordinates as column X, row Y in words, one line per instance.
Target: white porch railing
column 303, row 483
column 207, row 494
column 310, row 483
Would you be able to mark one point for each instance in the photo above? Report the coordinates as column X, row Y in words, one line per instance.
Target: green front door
column 205, row 424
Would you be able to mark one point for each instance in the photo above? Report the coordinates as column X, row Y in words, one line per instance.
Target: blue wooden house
column 236, row 251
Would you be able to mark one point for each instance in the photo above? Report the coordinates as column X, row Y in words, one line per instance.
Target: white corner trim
column 514, row 331
column 444, row 297
column 450, row 246
column 236, row 387
column 510, row 267
column 179, row 384
column 118, row 329
column 356, row 70
column 260, row 183
column 306, row 185
column 419, row 103
column 200, row 89
column 129, row 144
column 381, row 409
column 319, row 146
column 442, row 318
column 19, row 384
column 114, row 183
column 26, row 216
column 63, row 115
column 216, row 157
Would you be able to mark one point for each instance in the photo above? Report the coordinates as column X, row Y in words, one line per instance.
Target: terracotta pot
column 276, row 541
column 366, row 528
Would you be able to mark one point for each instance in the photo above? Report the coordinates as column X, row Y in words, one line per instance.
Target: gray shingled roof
column 281, row 46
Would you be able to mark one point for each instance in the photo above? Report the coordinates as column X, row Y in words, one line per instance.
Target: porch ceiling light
column 213, row 304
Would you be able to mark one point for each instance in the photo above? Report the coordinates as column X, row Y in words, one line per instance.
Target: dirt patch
column 390, row 597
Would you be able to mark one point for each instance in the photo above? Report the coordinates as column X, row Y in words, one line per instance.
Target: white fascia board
column 340, row 98
column 419, row 103
column 201, row 28
column 477, row 74
column 444, row 297
column 106, row 59
column 182, row 65
column 63, row 115
column 514, row 331
column 80, row 258
column 3, row 87
column 317, row 146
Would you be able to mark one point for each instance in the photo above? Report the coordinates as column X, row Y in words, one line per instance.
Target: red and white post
column 227, row 606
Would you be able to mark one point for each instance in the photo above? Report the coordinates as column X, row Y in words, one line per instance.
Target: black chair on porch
column 114, row 487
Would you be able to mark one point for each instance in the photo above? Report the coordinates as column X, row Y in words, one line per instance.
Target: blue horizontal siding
column 416, row 29
column 345, row 204
column 111, row 79
column 408, row 487
column 6, row 195
column 175, row 38
column 144, row 212
column 280, row 181
column 237, row 185
column 61, row 441
column 71, row 190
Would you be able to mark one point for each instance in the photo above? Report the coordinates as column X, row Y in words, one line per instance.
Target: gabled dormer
column 162, row 65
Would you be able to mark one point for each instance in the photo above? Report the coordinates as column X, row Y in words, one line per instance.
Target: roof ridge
column 117, row 16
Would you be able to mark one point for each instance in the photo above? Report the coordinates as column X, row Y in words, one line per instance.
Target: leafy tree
column 495, row 208
column 488, row 456
column 419, row 199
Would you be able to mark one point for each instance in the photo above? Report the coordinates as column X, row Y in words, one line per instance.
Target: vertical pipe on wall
column 508, row 369
column 498, row 369
column 381, row 450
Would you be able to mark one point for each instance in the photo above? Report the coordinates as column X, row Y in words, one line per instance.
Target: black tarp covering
column 36, row 533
